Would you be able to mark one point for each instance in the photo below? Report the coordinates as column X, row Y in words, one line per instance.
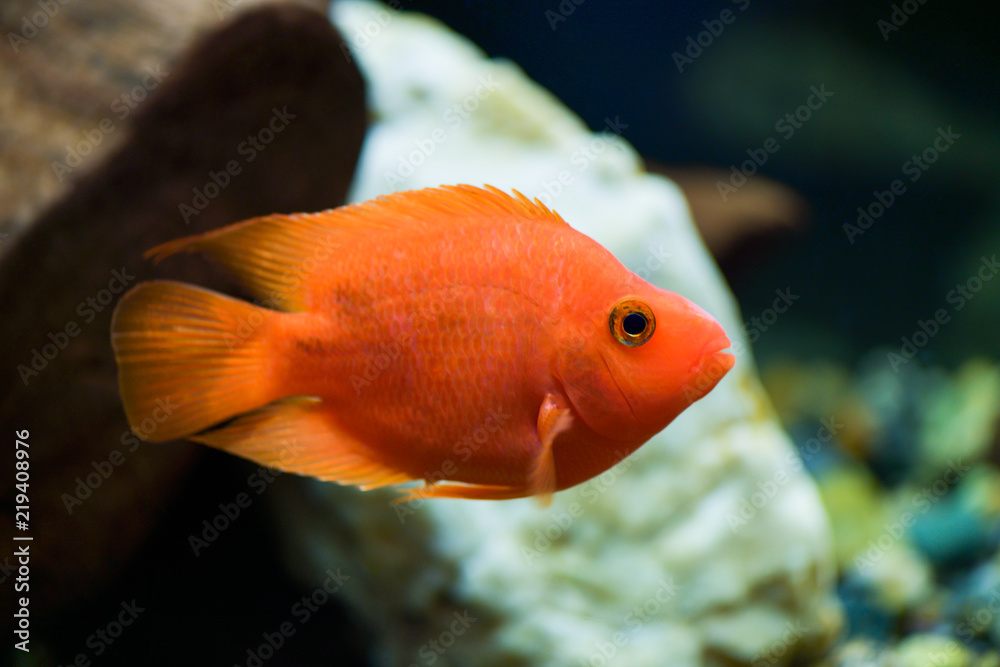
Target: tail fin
column 188, row 358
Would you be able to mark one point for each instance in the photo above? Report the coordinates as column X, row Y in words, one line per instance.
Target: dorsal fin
column 454, row 203
column 272, row 255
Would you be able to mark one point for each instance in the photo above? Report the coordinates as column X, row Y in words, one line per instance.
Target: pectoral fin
column 554, row 417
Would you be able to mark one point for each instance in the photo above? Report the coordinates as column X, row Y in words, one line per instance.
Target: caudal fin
column 188, row 358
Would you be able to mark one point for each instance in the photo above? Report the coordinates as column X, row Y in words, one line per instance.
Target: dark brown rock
column 274, row 68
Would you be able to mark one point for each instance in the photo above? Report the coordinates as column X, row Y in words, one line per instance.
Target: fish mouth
column 713, row 363
column 716, row 345
column 713, row 350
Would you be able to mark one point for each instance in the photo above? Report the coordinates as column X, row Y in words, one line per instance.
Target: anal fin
column 296, row 435
column 467, row 491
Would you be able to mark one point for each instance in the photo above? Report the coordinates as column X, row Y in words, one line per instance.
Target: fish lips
column 712, row 365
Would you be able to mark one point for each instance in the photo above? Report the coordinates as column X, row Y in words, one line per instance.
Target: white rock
column 648, row 561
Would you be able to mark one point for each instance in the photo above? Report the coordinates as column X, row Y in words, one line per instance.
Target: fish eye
column 631, row 322
column 634, row 324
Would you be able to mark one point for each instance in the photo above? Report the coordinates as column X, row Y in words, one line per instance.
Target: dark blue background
column 615, row 59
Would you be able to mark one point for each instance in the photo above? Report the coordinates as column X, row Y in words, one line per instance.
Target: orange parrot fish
column 461, row 336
